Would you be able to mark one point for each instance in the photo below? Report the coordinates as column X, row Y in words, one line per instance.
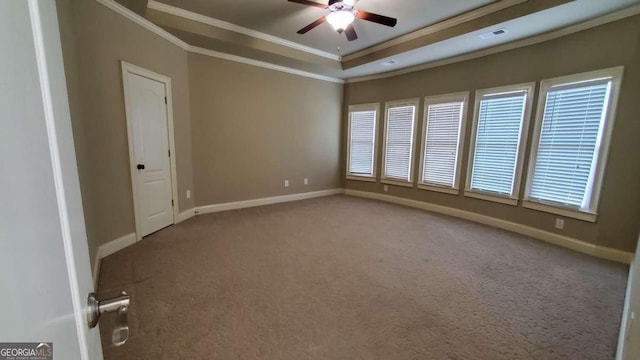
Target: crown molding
column 132, row 16
column 470, row 24
column 262, row 64
column 602, row 20
column 440, row 26
column 608, row 18
column 186, row 14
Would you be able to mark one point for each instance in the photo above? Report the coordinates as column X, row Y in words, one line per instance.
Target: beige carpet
column 348, row 278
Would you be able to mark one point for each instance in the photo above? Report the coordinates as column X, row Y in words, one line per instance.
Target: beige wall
column 95, row 40
column 605, row 46
column 241, row 130
column 253, row 128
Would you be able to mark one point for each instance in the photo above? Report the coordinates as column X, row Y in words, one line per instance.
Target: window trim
column 443, row 99
column 562, row 211
column 591, row 214
column 374, row 171
column 512, row 199
column 393, row 181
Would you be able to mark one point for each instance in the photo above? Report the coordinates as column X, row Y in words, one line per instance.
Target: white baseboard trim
column 560, row 240
column 118, row 244
column 186, row 215
column 577, row 245
column 207, row 209
column 109, row 248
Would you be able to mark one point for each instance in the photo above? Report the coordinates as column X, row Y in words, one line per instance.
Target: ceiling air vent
column 493, row 34
column 389, row 62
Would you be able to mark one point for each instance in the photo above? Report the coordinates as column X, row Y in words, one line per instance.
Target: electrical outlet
column 386, row 188
column 286, row 183
column 306, row 181
column 559, row 223
column 188, row 194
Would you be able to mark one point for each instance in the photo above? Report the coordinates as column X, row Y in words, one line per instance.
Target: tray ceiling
column 282, row 18
column 427, row 30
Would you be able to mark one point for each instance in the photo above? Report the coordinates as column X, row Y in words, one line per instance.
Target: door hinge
column 171, row 202
column 169, row 152
column 165, row 99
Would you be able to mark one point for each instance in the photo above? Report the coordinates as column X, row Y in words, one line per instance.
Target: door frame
column 128, row 68
column 56, row 117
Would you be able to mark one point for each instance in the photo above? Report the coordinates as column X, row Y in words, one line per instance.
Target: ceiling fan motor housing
column 341, row 17
column 337, row 5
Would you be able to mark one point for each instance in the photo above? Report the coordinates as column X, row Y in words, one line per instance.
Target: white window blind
column 499, row 124
column 440, row 153
column 362, row 142
column 399, row 142
column 569, row 143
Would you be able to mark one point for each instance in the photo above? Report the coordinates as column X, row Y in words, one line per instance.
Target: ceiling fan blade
column 310, row 3
column 380, row 19
column 350, row 32
column 312, row 25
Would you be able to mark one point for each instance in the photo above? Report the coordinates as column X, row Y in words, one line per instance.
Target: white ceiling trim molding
column 605, row 19
column 440, row 26
column 141, row 21
column 130, row 15
column 186, row 14
column 262, row 64
column 124, row 11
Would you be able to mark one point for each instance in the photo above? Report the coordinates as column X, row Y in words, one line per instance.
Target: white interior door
column 149, row 142
column 45, row 275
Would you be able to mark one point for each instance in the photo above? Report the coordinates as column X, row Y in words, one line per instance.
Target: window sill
column 441, row 189
column 362, row 178
column 490, row 197
column 397, row 182
column 571, row 213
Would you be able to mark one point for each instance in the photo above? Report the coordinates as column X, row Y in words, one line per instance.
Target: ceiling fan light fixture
column 340, row 19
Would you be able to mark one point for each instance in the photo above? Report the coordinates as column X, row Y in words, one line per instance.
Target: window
column 442, row 135
column 361, row 159
column 501, row 120
column 398, row 146
column 573, row 123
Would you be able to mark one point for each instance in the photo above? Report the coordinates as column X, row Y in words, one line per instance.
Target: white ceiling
column 524, row 27
column 282, row 19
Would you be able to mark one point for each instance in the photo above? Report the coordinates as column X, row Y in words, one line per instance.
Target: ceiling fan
column 342, row 15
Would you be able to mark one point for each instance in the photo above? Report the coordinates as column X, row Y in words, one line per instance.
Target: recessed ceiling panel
column 282, row 18
column 574, row 12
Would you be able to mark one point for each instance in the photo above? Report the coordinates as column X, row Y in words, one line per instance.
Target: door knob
column 120, row 304
column 140, row 166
